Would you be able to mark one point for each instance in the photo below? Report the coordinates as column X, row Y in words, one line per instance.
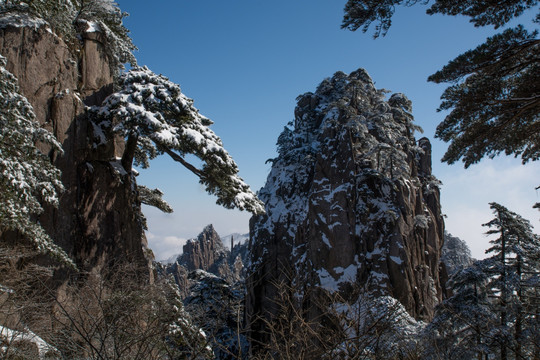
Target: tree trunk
column 478, row 331
column 129, row 152
column 504, row 290
column 518, row 330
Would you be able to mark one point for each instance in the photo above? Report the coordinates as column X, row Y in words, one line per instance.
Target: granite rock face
column 352, row 206
column 98, row 220
column 206, row 252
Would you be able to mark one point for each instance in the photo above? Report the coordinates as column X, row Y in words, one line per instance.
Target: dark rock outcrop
column 352, row 206
column 98, row 220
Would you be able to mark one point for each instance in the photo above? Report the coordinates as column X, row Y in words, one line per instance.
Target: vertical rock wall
column 97, row 221
column 352, row 206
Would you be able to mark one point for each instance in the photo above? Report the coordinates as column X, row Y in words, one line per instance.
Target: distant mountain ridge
column 208, row 253
column 239, row 239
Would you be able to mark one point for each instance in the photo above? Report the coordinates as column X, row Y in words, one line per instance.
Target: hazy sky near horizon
column 244, row 62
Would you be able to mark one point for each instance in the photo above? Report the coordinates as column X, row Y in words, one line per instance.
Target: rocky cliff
column 97, row 221
column 206, row 252
column 352, row 207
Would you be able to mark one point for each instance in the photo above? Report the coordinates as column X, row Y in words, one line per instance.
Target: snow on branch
column 27, row 178
column 152, row 110
column 154, row 197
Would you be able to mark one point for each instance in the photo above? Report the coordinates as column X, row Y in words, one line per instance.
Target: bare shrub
column 118, row 314
column 318, row 324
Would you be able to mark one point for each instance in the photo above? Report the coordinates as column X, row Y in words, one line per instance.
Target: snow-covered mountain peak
column 350, row 202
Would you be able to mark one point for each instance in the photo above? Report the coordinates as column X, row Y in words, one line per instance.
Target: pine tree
column 494, row 99
column 155, row 118
column 494, row 307
column 363, row 13
column 514, row 264
column 185, row 340
column 462, row 324
column 109, row 19
column 153, row 197
column 27, row 178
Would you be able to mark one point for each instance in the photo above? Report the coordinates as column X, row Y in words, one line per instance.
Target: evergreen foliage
column 455, row 254
column 216, row 307
column 109, row 19
column 153, row 197
column 494, row 99
column 185, row 340
column 514, row 264
column 483, row 12
column 463, row 323
column 27, row 178
column 363, row 13
column 156, row 118
column 494, row 310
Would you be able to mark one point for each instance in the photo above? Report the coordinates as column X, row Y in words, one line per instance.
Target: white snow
column 11, row 336
column 21, row 20
column 156, row 110
column 328, row 282
column 325, row 240
column 93, row 26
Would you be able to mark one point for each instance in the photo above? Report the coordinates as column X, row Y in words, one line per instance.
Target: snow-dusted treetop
column 27, row 177
column 156, row 118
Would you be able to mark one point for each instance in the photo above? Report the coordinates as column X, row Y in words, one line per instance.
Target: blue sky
column 244, row 62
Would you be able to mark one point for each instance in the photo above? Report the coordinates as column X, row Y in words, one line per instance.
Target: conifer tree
column 156, row 118
column 109, row 19
column 27, row 177
column 494, row 307
column 185, row 340
column 462, row 325
column 494, row 97
column 363, row 13
column 514, row 264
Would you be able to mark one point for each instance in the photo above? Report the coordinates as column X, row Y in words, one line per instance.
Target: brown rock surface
column 206, row 252
column 97, row 221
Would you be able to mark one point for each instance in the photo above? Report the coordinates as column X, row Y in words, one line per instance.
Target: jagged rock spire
column 350, row 204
